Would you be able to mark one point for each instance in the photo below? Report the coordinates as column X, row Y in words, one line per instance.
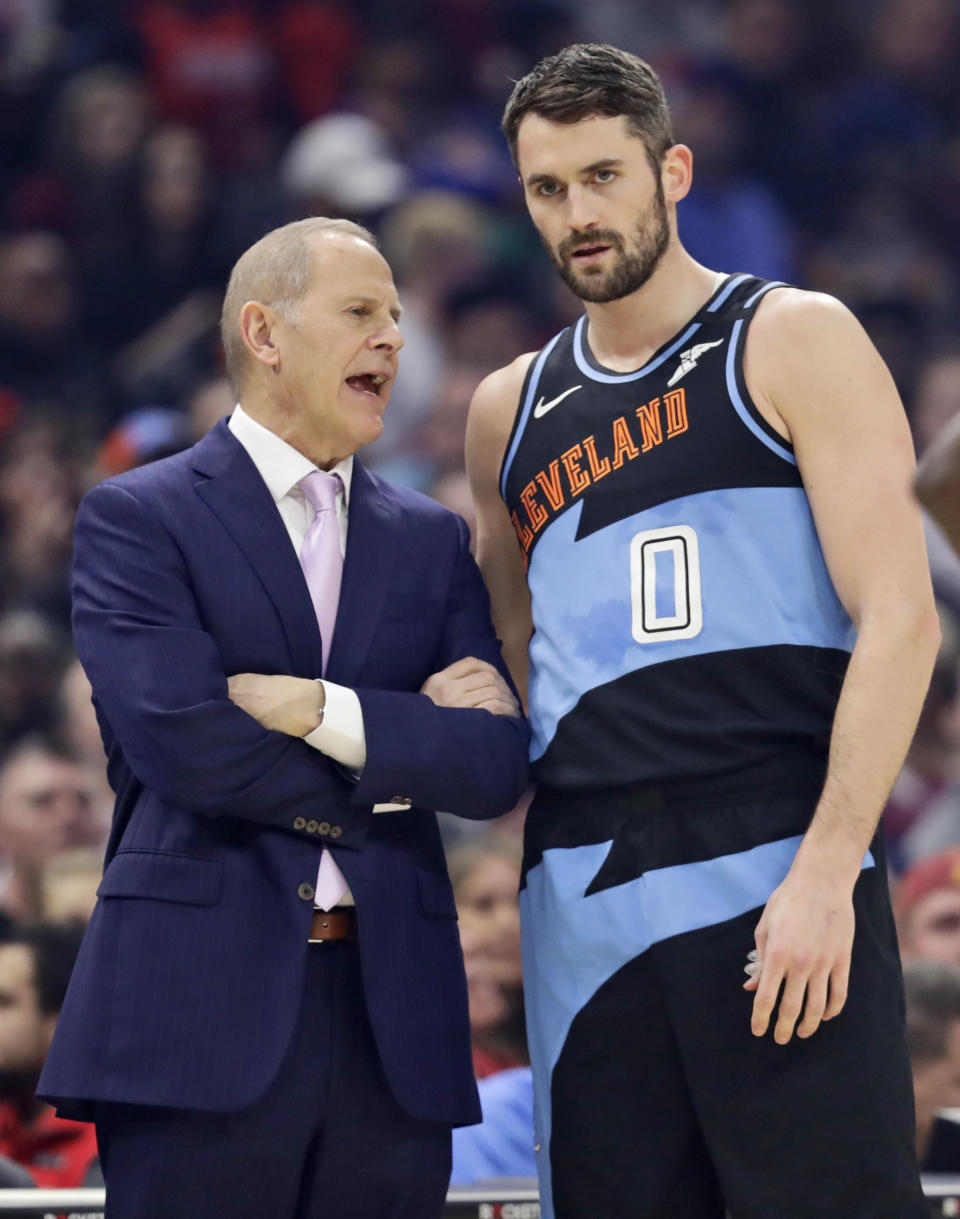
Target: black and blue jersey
column 685, row 623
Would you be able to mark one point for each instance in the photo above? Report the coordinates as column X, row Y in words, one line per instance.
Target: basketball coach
column 292, row 664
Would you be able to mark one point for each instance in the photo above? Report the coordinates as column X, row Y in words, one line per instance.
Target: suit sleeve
column 460, row 760
column 159, row 680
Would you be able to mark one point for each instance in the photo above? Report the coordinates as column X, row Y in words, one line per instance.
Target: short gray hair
column 275, row 271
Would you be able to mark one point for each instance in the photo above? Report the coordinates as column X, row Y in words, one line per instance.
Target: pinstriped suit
column 188, row 986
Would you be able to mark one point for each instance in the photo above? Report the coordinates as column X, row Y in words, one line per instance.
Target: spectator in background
column 935, row 403
column 35, row 966
column 32, row 658
column 932, row 991
column 436, row 241
column 923, row 811
column 927, row 906
column 486, row 875
column 342, row 164
column 141, row 436
column 45, row 809
column 158, row 293
column 46, row 360
column 68, row 886
column 40, row 486
column 209, row 65
column 316, row 43
column 84, row 188
column 936, row 399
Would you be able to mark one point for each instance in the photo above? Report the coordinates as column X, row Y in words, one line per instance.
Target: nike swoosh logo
column 542, row 407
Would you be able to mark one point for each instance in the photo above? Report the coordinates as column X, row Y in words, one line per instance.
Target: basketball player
column 694, row 517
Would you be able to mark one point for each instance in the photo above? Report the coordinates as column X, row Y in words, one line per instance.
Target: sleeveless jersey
column 685, row 624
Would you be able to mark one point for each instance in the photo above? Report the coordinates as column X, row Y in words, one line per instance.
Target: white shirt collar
column 279, row 464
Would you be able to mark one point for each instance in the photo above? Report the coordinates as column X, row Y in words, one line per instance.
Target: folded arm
column 465, row 760
column 441, row 747
column 159, row 680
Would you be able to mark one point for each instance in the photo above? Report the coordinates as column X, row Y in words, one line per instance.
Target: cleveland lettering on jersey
column 580, row 466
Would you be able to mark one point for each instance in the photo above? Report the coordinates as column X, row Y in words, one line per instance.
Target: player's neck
column 624, row 333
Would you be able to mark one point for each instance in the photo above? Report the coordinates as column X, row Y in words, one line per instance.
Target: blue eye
column 548, row 189
column 605, row 175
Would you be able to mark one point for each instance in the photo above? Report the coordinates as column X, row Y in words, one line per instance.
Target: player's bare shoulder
column 793, row 326
column 492, row 412
column 798, row 342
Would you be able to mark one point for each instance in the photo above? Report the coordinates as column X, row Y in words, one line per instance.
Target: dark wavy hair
column 593, row 79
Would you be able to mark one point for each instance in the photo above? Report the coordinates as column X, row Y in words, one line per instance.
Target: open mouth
column 369, row 383
column 589, row 253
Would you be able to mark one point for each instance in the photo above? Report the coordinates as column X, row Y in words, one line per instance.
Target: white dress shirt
column 340, row 736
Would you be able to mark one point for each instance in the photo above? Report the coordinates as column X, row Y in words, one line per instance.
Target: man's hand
column 804, row 940
column 282, row 704
column 471, row 683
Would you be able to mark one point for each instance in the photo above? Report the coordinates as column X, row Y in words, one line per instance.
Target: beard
column 632, row 269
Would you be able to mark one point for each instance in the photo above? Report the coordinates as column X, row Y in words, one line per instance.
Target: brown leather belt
column 337, row 924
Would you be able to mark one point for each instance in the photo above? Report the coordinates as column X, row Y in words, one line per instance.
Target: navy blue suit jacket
column 189, row 979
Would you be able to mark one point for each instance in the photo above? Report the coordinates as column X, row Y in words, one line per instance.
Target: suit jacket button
column 335, row 831
column 311, row 827
column 305, row 892
column 323, row 828
column 299, row 823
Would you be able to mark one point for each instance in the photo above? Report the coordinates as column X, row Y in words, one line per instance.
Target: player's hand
column 471, row 683
column 281, row 704
column 804, row 940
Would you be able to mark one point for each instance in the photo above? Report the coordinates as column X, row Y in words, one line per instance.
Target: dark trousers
column 655, row 1101
column 327, row 1141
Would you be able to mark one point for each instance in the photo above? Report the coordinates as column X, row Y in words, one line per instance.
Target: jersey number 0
column 665, row 584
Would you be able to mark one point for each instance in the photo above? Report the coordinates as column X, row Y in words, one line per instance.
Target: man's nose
column 388, row 338
column 582, row 208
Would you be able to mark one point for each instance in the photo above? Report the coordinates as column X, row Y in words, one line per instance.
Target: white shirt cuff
column 340, row 736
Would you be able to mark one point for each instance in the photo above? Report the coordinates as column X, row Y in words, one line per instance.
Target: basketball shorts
column 653, row 1100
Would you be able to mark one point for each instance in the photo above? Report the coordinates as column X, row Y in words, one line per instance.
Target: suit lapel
column 372, row 537
column 238, row 496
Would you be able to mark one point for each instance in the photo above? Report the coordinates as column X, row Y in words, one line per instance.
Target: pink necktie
column 322, row 563
column 320, row 555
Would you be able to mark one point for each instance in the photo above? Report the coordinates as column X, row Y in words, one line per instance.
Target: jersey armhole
column 740, row 396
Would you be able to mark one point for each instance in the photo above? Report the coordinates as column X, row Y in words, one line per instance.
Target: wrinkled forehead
column 344, row 264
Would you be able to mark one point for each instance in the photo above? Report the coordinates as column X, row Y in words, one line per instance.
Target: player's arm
column 938, row 481
column 492, row 412
column 817, row 377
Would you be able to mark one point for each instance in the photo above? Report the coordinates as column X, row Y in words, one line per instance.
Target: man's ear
column 257, row 330
column 676, row 172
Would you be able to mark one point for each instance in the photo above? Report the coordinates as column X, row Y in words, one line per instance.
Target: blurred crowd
column 146, row 144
